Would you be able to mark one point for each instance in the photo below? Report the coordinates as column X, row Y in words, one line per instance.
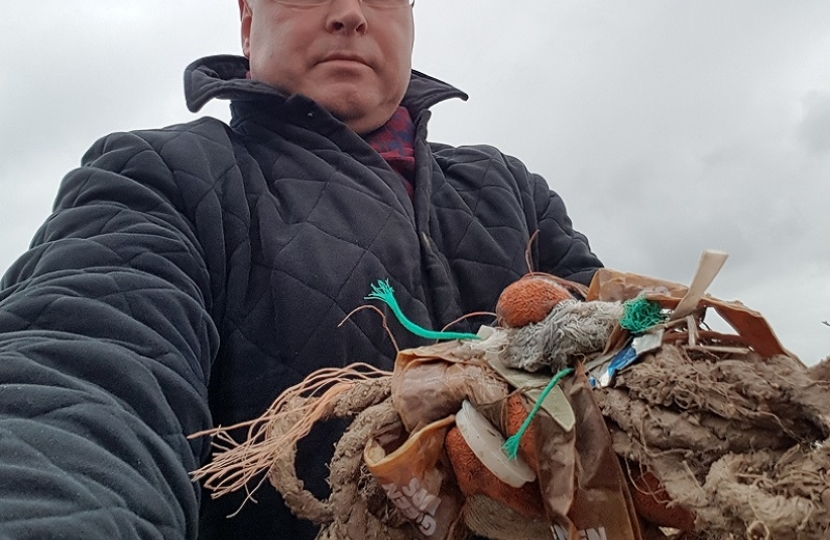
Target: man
column 190, row 274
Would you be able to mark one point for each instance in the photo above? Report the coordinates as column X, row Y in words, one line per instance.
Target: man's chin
column 360, row 115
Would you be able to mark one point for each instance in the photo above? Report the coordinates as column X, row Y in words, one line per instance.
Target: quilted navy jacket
column 190, row 274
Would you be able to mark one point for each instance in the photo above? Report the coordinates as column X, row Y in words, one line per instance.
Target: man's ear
column 245, row 16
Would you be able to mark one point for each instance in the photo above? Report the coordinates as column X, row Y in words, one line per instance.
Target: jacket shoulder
column 477, row 152
column 481, row 165
column 197, row 136
column 450, row 155
column 204, row 137
column 203, row 148
column 206, row 127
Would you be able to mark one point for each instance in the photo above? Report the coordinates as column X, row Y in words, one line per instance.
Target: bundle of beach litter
column 613, row 412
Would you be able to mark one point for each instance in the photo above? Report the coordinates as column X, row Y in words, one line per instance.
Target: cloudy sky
column 669, row 127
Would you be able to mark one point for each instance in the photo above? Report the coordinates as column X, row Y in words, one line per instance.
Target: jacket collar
column 224, row 77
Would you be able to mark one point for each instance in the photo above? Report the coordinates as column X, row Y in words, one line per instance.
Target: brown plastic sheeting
column 614, row 286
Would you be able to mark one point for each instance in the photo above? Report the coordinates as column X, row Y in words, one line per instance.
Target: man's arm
column 105, row 351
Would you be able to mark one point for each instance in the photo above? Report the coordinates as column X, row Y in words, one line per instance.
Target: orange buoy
column 529, row 300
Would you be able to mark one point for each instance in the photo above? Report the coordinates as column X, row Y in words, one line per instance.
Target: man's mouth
column 345, row 57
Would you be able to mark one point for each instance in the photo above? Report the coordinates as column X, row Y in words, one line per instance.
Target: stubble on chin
column 353, row 106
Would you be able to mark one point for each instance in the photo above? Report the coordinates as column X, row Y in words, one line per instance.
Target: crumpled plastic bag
column 580, row 488
column 429, row 383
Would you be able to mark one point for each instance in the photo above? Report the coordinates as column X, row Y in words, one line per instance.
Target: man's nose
column 346, row 16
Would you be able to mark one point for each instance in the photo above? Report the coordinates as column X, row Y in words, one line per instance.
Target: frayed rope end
column 384, row 292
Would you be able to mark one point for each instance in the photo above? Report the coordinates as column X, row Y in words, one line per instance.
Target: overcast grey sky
column 669, row 127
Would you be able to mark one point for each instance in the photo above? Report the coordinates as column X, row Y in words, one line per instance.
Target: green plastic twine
column 641, row 314
column 511, row 445
column 383, row 291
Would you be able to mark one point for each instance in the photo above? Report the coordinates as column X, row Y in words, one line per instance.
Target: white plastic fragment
column 486, row 443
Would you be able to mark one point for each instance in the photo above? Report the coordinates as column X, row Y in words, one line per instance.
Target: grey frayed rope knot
column 572, row 328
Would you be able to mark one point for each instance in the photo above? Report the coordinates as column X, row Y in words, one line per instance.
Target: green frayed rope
column 511, row 445
column 383, row 291
column 641, row 314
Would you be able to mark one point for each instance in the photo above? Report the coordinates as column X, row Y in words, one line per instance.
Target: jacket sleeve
column 105, row 348
column 561, row 250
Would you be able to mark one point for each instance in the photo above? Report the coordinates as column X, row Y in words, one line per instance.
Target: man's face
column 353, row 59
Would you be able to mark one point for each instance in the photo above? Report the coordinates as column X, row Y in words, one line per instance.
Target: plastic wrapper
column 415, row 478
